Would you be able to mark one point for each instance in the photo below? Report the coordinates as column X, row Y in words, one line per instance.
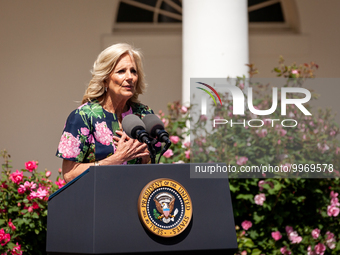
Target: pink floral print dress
column 89, row 130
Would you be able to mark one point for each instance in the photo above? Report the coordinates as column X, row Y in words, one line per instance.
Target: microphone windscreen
column 132, row 123
column 152, row 123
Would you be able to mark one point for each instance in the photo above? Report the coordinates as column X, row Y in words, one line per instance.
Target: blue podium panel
column 97, row 213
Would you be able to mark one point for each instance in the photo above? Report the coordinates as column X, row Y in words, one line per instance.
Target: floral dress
column 89, row 130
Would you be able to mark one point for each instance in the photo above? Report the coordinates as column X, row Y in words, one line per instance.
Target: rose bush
column 175, row 123
column 23, row 208
column 275, row 215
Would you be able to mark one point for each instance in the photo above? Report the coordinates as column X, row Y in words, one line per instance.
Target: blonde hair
column 104, row 65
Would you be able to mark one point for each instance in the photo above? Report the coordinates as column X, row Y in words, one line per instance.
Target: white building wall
column 48, row 47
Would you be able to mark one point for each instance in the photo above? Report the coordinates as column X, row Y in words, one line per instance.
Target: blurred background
column 47, row 49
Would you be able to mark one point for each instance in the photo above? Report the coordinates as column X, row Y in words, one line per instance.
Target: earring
column 105, row 89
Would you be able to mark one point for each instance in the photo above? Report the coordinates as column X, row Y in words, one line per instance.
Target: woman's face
column 123, row 79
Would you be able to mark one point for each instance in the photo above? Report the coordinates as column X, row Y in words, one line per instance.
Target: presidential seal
column 164, row 207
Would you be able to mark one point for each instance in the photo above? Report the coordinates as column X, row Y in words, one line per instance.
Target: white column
column 215, row 40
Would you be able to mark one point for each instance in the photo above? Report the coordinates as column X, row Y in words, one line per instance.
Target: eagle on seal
column 165, row 203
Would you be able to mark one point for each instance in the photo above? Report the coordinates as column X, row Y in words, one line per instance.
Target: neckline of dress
column 123, row 114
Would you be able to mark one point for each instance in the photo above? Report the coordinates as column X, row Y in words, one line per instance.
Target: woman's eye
column 121, row 71
column 133, row 71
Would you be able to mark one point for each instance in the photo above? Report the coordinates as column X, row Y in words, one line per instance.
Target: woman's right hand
column 127, row 149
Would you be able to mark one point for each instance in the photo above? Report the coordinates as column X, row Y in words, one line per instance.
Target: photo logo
column 204, row 100
column 243, row 102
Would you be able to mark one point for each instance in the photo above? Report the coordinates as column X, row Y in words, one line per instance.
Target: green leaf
column 36, row 231
column 256, row 252
column 94, row 110
column 258, row 218
column 248, row 242
column 245, row 197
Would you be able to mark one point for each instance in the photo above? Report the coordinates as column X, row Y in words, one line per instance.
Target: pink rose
column 335, row 201
column 323, row 147
column 293, row 235
column 165, row 122
column 333, row 194
column 21, row 189
column 60, row 183
column 174, row 139
column 40, row 193
column 30, row 185
column 284, row 251
column 187, row 144
column 333, row 211
column 159, row 144
column 168, row 153
column 260, row 198
column 184, row 109
column 35, row 205
column 48, row 174
column 246, row 224
column 320, row 248
column 262, row 133
column 276, row 235
column 289, row 229
column 282, row 132
column 16, row 177
column 316, row 233
column 16, row 249
column 31, row 165
column 4, row 237
column 30, row 209
column 330, row 240
column 241, row 161
column 294, row 71
column 11, row 225
column 262, row 182
column 309, row 251
column 187, row 154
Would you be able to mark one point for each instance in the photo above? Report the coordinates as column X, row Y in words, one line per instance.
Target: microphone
column 155, row 127
column 135, row 128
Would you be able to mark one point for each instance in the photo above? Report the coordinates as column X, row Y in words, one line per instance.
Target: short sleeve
column 76, row 138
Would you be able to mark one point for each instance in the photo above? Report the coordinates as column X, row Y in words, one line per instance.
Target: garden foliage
column 23, row 208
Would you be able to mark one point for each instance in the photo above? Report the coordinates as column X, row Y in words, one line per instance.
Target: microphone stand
column 143, row 137
column 152, row 151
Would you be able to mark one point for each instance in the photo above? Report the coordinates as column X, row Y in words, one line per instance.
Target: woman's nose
column 129, row 75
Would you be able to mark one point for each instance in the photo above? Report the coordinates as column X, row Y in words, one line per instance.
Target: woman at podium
column 93, row 133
